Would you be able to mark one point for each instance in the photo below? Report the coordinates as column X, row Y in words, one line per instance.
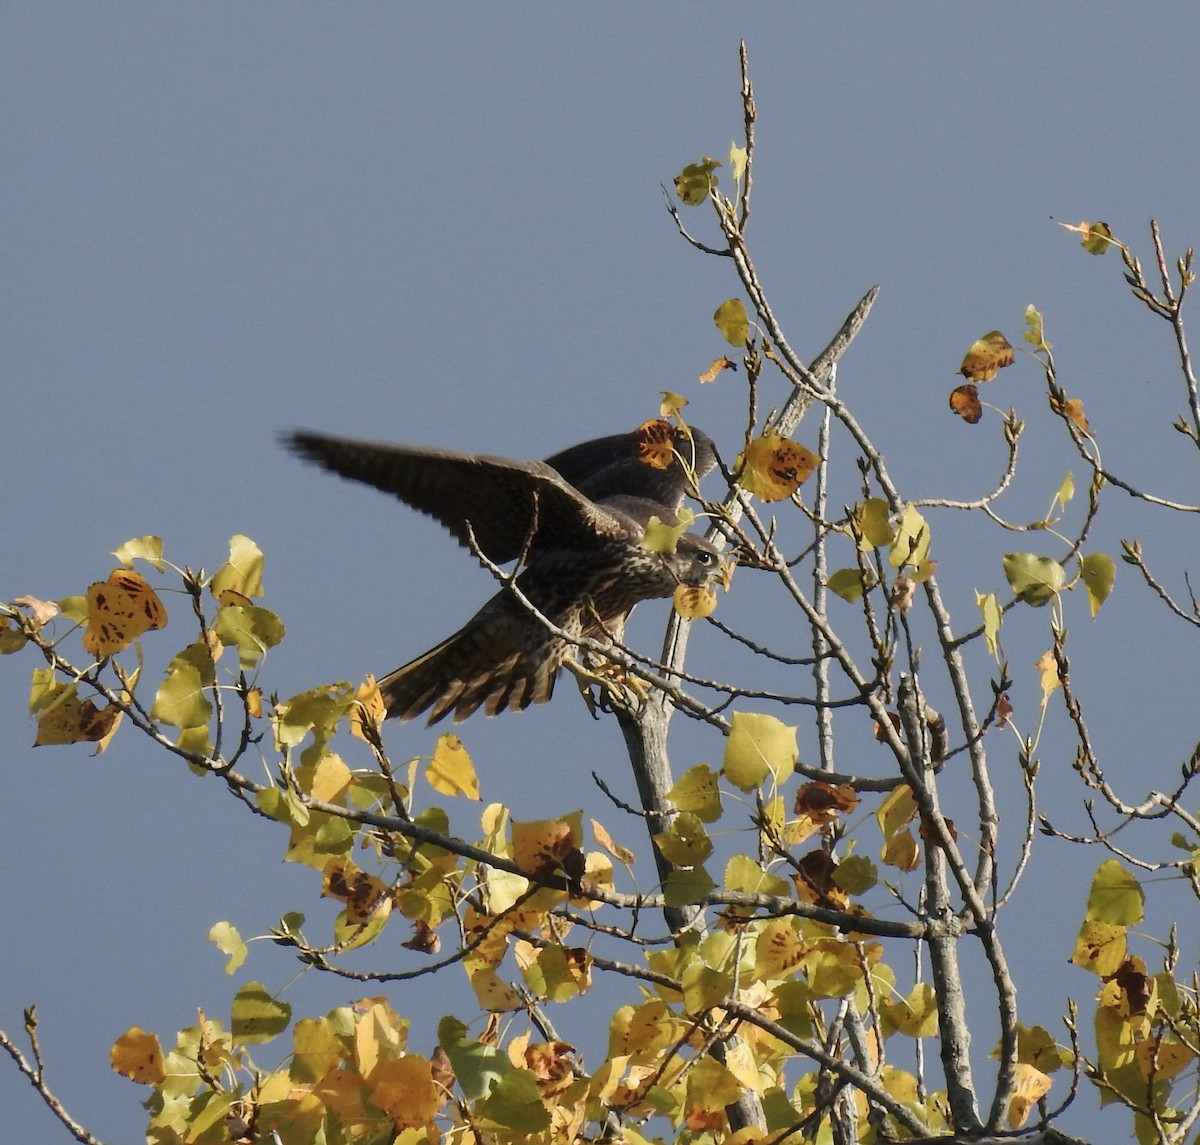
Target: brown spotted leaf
column 120, row 610
column 774, row 467
column 986, row 357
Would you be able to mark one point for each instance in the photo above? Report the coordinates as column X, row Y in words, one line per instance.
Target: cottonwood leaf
column 964, row 401
column 774, row 467
column 1099, row 572
column 696, row 181
column 986, row 357
column 733, row 322
column 1035, row 580
column 759, row 744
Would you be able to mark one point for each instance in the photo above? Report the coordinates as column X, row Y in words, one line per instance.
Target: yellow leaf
column 901, row 851
column 774, row 467
column 147, row 548
column 733, row 322
column 120, row 610
column 694, row 601
column 1100, row 947
column 138, row 1056
column 1099, row 573
column 451, row 771
column 737, row 161
column 697, row 181
column 242, row 572
column 1031, row 1086
column 1035, row 333
column 545, row 847
column 671, row 404
column 759, row 744
column 986, row 357
column 910, row 544
column 368, row 710
column 704, row 987
column 1048, row 667
column 1095, row 238
column 1115, row 896
column 493, row 994
column 330, row 779
column 779, row 949
column 225, row 937
column 989, row 609
column 1162, row 1060
column 915, row 1016
column 1036, row 580
column 869, row 524
column 1066, row 490
column 404, row 1089
column 662, row 538
column 697, row 791
column 257, row 1015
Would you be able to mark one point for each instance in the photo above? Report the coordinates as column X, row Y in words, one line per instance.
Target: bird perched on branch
column 577, row 522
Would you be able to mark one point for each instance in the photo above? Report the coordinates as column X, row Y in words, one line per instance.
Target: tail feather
column 501, row 658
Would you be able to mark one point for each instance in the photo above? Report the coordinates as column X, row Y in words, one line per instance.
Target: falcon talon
column 573, row 523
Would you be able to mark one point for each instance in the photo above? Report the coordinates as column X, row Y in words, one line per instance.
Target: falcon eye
column 705, row 558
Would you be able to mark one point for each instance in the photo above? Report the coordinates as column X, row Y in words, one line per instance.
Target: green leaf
column 1099, row 572
column 685, row 843
column 742, row 873
column 180, row 700
column 1034, row 579
column 856, row 874
column 478, row 1067
column 846, row 583
column 1035, row 333
column 697, row 791
column 148, row 548
column 704, row 987
column 251, row 628
column 732, row 321
column 759, row 744
column 257, row 1017
column 1066, row 490
column 516, row 1103
column 684, row 887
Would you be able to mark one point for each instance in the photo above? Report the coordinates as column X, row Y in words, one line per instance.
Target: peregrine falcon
column 576, row 520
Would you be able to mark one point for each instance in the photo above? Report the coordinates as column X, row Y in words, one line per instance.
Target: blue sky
column 446, row 227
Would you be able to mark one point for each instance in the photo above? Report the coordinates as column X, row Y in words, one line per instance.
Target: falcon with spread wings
column 576, row 520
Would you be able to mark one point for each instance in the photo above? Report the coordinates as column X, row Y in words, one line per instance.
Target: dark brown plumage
column 577, row 519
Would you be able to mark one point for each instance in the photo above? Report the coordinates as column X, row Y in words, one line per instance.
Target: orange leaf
column 964, row 401
column 717, row 368
column 656, row 443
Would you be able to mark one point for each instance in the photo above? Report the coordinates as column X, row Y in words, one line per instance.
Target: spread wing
column 508, row 504
column 613, row 466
